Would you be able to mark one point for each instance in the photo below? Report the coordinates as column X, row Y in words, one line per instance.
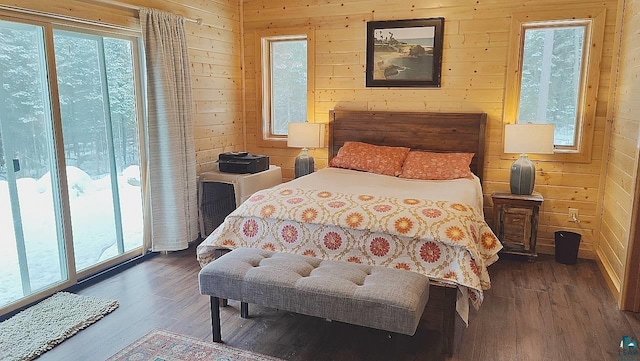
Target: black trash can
column 567, row 244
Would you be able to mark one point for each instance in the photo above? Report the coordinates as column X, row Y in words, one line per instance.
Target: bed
column 353, row 216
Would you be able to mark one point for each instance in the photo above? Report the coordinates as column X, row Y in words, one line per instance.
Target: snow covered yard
column 93, row 226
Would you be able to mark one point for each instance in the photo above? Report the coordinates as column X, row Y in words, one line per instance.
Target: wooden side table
column 516, row 222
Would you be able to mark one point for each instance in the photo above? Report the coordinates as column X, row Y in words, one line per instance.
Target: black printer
column 242, row 162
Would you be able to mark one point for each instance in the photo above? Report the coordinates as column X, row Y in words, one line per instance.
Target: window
column 286, row 73
column 288, row 80
column 552, row 79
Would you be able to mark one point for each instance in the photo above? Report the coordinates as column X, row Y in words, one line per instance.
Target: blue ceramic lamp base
column 523, row 176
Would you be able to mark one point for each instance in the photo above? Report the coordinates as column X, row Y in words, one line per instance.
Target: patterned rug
column 40, row 327
column 163, row 345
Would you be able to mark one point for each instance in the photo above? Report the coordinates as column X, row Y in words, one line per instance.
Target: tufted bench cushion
column 372, row 296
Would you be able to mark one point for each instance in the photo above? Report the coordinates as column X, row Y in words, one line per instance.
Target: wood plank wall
column 474, row 64
column 214, row 51
column 620, row 189
column 473, row 76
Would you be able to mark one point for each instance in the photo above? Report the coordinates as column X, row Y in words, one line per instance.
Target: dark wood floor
column 534, row 311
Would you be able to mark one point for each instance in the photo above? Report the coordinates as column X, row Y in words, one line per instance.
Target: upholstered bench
column 372, row 296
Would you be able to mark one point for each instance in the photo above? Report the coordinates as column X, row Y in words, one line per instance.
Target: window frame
column 594, row 21
column 263, row 41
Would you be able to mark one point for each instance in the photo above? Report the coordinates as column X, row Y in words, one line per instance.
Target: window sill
column 272, row 142
column 564, row 157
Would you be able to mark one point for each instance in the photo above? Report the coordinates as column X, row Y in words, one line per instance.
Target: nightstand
column 220, row 193
column 515, row 220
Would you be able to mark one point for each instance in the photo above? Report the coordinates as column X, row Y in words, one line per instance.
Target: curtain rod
column 125, row 5
column 65, row 18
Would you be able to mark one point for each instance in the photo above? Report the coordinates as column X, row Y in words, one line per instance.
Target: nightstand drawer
column 516, row 228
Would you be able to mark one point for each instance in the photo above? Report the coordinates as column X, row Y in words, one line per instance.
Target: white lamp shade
column 306, row 135
column 528, row 138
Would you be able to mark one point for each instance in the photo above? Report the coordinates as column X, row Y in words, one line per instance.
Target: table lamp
column 305, row 135
column 523, row 139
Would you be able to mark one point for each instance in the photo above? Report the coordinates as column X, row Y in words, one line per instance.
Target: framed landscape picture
column 404, row 53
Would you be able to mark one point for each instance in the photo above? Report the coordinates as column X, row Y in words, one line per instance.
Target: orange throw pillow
column 436, row 166
column 370, row 158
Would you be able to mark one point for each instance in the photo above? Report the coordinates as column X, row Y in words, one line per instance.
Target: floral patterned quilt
column 445, row 241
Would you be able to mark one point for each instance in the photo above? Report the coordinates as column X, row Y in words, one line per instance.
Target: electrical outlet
column 573, row 215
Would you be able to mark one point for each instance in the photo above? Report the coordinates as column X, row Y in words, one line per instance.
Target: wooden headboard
column 436, row 132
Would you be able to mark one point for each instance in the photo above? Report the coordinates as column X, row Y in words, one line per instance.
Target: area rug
column 40, row 327
column 163, row 345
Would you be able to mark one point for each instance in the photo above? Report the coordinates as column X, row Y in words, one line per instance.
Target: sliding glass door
column 32, row 249
column 70, row 183
column 100, row 128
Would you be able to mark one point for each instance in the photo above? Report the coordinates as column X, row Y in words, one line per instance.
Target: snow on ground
column 92, row 222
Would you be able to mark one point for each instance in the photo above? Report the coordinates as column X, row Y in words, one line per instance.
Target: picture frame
column 404, row 53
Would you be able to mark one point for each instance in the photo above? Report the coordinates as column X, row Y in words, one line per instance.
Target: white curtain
column 171, row 165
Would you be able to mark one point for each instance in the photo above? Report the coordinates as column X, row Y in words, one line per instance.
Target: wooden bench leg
column 244, row 310
column 215, row 319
